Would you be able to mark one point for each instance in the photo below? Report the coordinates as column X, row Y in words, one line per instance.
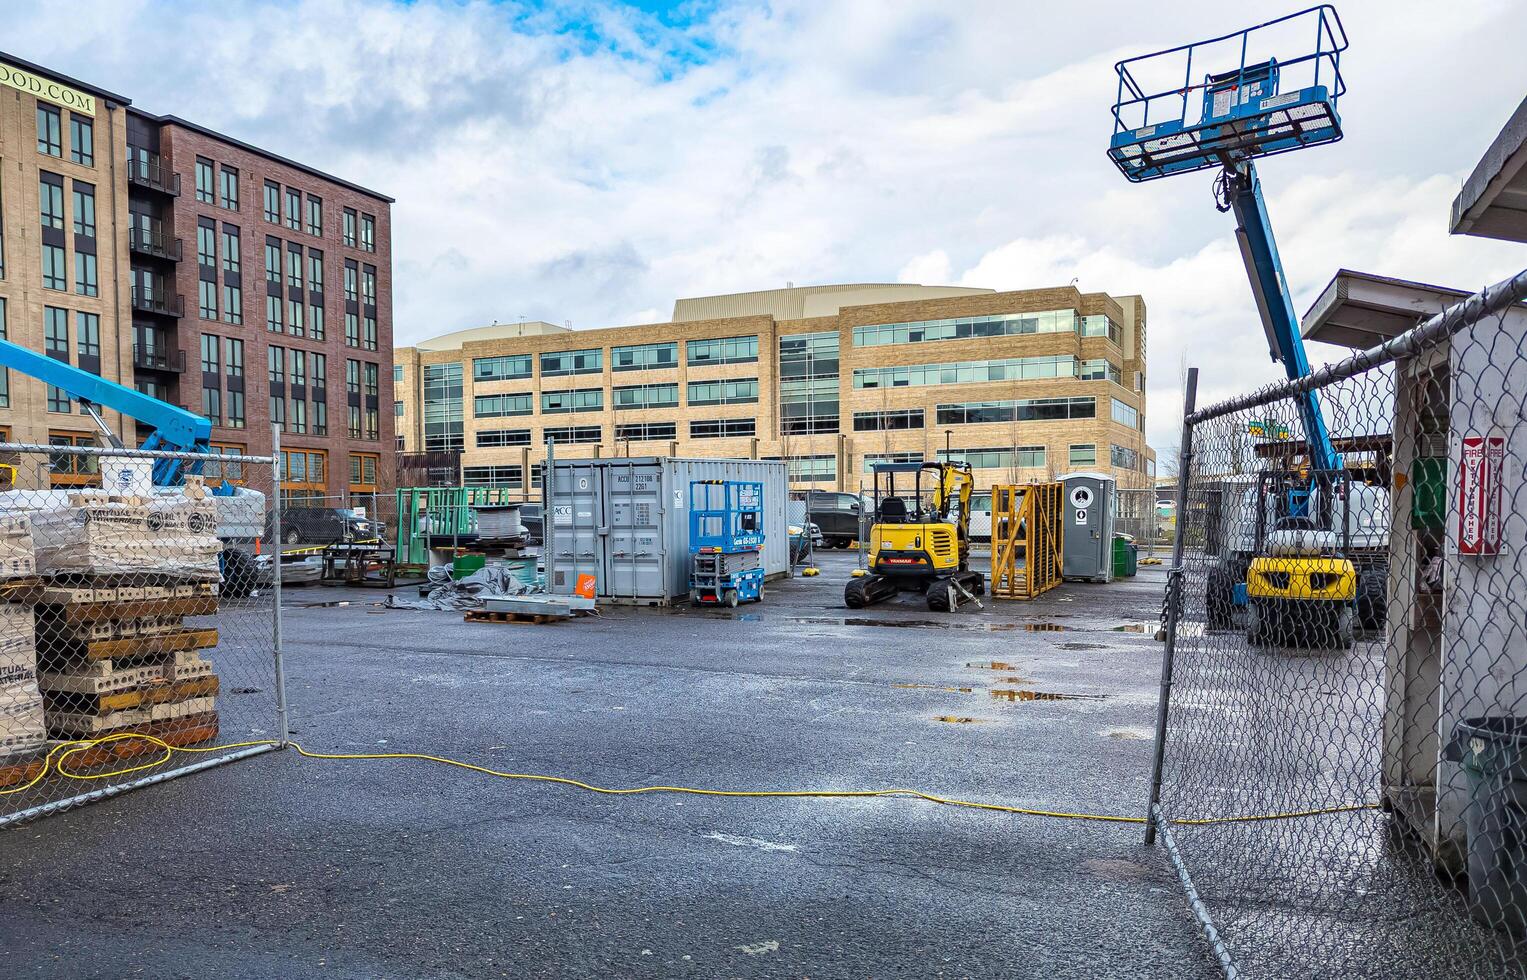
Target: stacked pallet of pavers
column 120, row 576
column 23, row 734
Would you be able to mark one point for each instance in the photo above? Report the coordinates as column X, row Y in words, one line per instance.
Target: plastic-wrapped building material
column 16, row 554
column 94, row 534
column 22, row 730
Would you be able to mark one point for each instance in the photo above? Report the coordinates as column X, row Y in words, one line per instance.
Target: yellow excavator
column 920, row 538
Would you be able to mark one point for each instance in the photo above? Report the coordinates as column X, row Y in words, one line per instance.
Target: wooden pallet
column 64, row 649
column 20, row 771
column 81, row 702
column 108, row 676
column 489, row 616
column 189, row 730
column 95, row 611
column 23, row 589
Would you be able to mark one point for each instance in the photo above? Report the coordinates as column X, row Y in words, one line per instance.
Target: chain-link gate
column 1136, row 514
column 139, row 623
column 1341, row 774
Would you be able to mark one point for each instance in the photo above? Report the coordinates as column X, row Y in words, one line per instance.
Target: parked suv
column 327, row 525
column 837, row 514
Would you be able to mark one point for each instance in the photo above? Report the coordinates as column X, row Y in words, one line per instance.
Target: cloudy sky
column 593, row 161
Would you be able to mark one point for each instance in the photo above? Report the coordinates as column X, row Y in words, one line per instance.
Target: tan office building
column 1025, row 385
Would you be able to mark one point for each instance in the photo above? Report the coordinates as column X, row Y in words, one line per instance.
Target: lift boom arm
column 1265, row 269
column 175, row 429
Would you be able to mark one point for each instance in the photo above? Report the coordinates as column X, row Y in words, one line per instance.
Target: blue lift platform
column 726, row 537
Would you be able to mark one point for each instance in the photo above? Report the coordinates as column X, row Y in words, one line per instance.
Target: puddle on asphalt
column 326, row 605
column 1044, row 627
column 957, row 719
column 993, row 665
column 1010, row 696
column 936, row 687
column 1084, row 646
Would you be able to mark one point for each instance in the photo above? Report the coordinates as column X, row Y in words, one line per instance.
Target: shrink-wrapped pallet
column 17, row 559
column 93, row 534
column 22, row 730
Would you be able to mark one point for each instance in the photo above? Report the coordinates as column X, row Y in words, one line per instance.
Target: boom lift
column 1261, row 107
column 921, row 542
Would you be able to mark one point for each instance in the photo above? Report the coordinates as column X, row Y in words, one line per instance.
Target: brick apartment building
column 205, row 271
column 1024, row 385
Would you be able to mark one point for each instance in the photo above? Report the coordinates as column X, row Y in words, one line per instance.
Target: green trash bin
column 1126, row 556
column 1493, row 752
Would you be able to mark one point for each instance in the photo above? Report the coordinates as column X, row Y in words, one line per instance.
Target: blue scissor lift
column 1262, row 91
column 726, row 538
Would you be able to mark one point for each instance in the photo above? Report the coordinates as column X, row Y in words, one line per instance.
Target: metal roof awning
column 1359, row 310
column 1493, row 201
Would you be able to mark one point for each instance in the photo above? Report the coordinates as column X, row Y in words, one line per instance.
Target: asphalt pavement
column 278, row 866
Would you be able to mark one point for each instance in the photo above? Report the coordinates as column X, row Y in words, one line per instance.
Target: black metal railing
column 155, row 243
column 155, row 301
column 159, row 359
column 150, row 171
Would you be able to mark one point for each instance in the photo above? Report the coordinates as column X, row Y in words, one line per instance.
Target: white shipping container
column 626, row 522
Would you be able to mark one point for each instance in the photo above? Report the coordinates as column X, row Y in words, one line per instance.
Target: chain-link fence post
column 283, row 725
column 1173, row 606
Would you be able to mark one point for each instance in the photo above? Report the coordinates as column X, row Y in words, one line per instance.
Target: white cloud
column 583, row 160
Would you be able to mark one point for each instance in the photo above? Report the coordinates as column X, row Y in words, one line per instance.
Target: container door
column 633, row 551
column 572, row 531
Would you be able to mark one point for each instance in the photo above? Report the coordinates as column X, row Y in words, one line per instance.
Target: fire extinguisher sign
column 1479, row 495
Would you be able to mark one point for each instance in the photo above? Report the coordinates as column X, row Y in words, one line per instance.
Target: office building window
column 294, row 324
column 205, row 193
column 231, row 260
column 349, row 228
column 299, row 367
column 368, row 233
column 722, row 350
column 5, row 373
column 50, row 200
column 49, row 130
column 572, row 400
column 373, row 424
column 494, row 438
column 1101, row 326
column 505, row 368
column 235, row 408
column 206, row 246
column 233, row 304
column 646, row 396
column 229, row 469
column 1021, row 457
column 900, row 418
column 320, row 419
column 1126, row 414
column 273, row 321
column 499, row 406
column 397, row 410
column 85, row 282
column 209, row 354
column 372, row 373
column 368, row 335
column 352, row 377
column 297, row 418
column 644, row 356
column 273, row 202
column 54, row 275
column 84, row 209
column 212, row 404
column 1016, row 410
column 352, row 274
column 315, row 322
column 808, row 387
column 319, row 370
column 81, row 140
column 315, row 270
column 315, row 216
column 368, row 285
column 234, row 349
column 967, row 372
column 293, row 209
column 812, row 469
column 397, row 372
column 573, row 434
column 739, row 391
column 206, row 299
column 273, row 260
column 1099, row 369
column 509, row 477
column 229, row 188
column 722, row 428
column 275, row 362
column 442, row 389
column 55, row 341
column 87, row 335
column 646, row 432
column 363, row 471
column 278, row 411
column 568, row 362
column 352, row 330
column 1082, row 455
column 294, row 266
column 1124, row 459
column 355, row 422
column 966, row 327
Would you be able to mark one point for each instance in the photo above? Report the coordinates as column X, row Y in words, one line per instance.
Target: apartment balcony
column 149, row 171
column 159, row 359
column 154, row 243
column 162, row 303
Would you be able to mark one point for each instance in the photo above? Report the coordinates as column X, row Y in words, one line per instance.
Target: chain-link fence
column 1136, row 514
column 1347, row 661
column 138, row 622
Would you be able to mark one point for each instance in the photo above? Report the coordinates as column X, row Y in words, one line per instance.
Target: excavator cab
column 919, row 536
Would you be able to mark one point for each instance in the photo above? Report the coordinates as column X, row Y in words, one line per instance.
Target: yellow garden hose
column 57, row 761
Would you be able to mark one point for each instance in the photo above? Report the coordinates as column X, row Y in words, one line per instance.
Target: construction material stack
column 122, row 585
column 23, row 733
column 726, row 537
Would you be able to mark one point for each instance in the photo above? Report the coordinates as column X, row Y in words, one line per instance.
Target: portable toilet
column 1087, row 545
